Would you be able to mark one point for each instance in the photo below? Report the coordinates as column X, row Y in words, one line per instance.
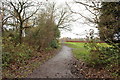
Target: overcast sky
column 77, row 27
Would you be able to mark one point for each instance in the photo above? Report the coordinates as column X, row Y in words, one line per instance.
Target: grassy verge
column 79, row 51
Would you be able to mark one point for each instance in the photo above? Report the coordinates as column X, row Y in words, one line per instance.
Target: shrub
column 14, row 54
column 54, row 44
column 106, row 56
column 102, row 55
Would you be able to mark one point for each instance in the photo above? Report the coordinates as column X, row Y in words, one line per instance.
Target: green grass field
column 80, row 52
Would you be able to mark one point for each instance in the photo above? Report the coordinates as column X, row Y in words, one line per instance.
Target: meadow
column 81, row 52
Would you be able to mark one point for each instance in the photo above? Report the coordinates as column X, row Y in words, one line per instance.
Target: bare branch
column 95, row 7
column 31, row 15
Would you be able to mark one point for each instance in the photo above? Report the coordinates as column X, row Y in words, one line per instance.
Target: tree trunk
column 20, row 34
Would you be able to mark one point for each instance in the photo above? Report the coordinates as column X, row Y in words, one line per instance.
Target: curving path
column 57, row 67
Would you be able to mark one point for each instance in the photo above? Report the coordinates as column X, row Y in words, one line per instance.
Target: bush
column 110, row 55
column 106, row 56
column 102, row 55
column 15, row 54
column 54, row 44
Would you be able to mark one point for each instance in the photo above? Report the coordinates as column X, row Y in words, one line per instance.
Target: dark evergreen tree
column 109, row 25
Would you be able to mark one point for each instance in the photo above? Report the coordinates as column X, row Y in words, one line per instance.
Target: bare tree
column 64, row 19
column 20, row 13
column 92, row 7
column 62, row 16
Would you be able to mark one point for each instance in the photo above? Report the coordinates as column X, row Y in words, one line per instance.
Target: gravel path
column 57, row 67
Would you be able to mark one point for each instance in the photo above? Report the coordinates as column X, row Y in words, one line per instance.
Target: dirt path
column 57, row 67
